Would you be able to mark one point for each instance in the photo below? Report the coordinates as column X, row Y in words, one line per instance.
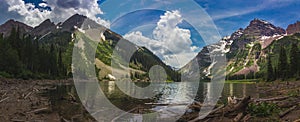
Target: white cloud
column 60, row 10
column 171, row 43
column 43, row 5
column 30, row 14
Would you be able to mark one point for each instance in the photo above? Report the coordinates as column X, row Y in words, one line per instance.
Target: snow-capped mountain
column 243, row 49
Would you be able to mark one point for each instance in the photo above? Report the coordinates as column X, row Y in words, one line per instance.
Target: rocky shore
column 21, row 101
column 280, row 102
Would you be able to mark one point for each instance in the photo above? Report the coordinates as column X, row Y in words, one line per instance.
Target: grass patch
column 243, row 81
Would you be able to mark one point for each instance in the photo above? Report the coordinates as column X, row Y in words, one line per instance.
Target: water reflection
column 169, row 103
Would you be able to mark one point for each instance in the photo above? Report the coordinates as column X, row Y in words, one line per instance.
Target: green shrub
column 5, row 75
column 262, row 109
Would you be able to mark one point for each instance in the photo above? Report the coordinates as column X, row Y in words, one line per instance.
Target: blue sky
column 142, row 17
column 229, row 15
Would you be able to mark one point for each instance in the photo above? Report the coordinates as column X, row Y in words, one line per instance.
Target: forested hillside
column 45, row 52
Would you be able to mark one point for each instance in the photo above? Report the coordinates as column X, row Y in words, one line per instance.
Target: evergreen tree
column 270, row 71
column 294, row 61
column 9, row 59
column 53, row 61
column 283, row 65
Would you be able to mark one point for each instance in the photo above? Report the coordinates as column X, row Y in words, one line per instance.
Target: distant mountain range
column 252, row 53
column 248, row 50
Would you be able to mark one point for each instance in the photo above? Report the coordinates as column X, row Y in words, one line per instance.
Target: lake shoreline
column 22, row 100
column 280, row 102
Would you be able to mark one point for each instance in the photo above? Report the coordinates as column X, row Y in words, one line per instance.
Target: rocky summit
column 246, row 50
column 293, row 28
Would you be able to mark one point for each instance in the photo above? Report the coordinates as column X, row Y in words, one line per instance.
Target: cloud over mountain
column 169, row 42
column 59, row 10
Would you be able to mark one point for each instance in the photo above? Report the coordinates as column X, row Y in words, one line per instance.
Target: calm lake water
column 168, row 104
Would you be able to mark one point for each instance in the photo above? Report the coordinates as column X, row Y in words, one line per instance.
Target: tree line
column 288, row 66
column 22, row 56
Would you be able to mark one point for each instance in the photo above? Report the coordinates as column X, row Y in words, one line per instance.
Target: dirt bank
column 22, row 101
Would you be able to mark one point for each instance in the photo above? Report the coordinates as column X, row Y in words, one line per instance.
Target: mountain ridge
column 54, row 43
column 245, row 50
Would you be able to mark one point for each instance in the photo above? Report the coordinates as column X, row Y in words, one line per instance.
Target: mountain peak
column 79, row 21
column 6, row 28
column 47, row 22
column 75, row 20
column 12, row 22
column 44, row 28
column 259, row 27
column 293, row 28
column 257, row 20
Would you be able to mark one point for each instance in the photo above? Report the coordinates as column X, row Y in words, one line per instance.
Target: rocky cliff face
column 44, row 28
column 6, row 28
column 78, row 21
column 243, row 49
column 293, row 28
column 259, row 27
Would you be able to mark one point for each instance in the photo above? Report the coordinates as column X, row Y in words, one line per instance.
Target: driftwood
column 4, row 94
column 4, row 99
column 211, row 114
column 229, row 110
column 165, row 104
column 238, row 117
column 28, row 95
column 39, row 110
column 272, row 99
column 217, row 109
column 72, row 97
column 17, row 120
column 65, row 120
column 282, row 114
column 298, row 120
column 197, row 105
column 246, row 118
column 239, row 107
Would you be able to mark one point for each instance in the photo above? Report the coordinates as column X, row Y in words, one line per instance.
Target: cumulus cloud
column 44, row 5
column 60, row 10
column 30, row 14
column 171, row 43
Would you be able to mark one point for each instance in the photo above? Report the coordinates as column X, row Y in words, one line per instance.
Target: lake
column 168, row 103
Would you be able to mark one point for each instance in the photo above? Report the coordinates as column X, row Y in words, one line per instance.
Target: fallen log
column 298, row 120
column 272, row 99
column 28, row 95
column 72, row 97
column 4, row 94
column 211, row 114
column 65, row 120
column 238, row 117
column 282, row 114
column 217, row 109
column 4, row 99
column 17, row 120
column 246, row 118
column 39, row 110
column 239, row 107
column 166, row 104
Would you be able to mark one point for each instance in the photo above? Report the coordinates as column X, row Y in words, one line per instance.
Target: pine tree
column 294, row 60
column 283, row 65
column 270, row 72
